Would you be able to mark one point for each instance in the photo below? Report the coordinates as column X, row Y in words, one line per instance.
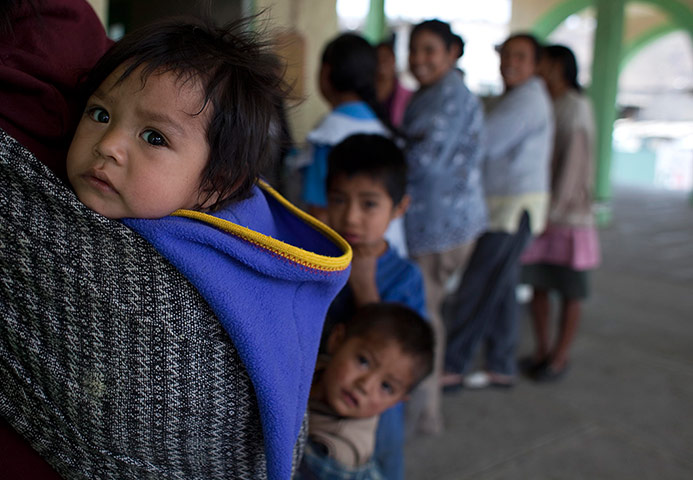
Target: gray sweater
column 519, row 140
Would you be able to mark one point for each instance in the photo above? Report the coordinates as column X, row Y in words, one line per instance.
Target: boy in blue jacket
column 366, row 190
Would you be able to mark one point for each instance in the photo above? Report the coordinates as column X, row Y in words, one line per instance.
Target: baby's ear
column 336, row 338
column 402, row 207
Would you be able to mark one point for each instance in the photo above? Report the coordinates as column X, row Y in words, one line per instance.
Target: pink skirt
column 573, row 247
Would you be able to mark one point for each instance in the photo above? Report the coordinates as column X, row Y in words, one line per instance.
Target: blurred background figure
column 391, row 94
column 443, row 128
column 519, row 135
column 560, row 258
column 347, row 83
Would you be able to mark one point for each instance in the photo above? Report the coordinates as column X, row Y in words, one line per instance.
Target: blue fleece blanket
column 269, row 272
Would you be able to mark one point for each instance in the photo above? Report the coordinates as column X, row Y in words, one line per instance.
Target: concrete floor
column 625, row 409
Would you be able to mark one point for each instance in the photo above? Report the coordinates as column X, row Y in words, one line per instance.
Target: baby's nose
column 111, row 145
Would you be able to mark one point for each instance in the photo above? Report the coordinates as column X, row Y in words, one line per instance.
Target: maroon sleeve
column 41, row 60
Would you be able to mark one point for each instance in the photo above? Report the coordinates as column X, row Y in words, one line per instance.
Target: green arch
column 680, row 18
column 554, row 17
column 613, row 52
column 630, row 50
column 679, row 13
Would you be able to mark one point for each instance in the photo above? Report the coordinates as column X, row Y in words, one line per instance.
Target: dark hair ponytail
column 565, row 57
column 353, row 63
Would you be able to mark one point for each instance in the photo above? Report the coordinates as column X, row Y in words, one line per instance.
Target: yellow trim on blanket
column 296, row 254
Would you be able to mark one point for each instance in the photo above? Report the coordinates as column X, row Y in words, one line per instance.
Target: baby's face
column 139, row 151
column 366, row 376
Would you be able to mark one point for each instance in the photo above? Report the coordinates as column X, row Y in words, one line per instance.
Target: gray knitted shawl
column 111, row 364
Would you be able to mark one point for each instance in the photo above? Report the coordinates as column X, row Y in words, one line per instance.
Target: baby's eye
column 371, row 204
column 363, row 361
column 153, row 137
column 388, row 388
column 98, row 114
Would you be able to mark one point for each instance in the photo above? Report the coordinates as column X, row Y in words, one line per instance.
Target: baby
column 178, row 117
column 374, row 361
column 179, row 122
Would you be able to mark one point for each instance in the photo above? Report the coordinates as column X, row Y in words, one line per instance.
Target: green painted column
column 374, row 30
column 605, row 69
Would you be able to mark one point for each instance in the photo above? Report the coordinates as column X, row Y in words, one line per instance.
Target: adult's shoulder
column 583, row 104
column 574, row 109
column 454, row 81
column 535, row 90
column 534, row 99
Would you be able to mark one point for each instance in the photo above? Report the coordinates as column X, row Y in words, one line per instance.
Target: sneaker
column 476, row 380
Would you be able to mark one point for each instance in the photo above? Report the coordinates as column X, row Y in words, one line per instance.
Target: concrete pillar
column 605, row 70
column 374, row 30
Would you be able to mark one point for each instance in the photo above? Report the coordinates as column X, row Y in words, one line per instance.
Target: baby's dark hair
column 536, row 46
column 443, row 30
column 373, row 155
column 239, row 79
column 387, row 320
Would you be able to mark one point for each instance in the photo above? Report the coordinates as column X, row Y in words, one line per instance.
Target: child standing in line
column 366, row 186
column 176, row 129
column 375, row 360
column 347, row 83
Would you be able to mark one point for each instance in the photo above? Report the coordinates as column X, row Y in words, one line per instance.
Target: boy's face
column 360, row 209
column 140, row 150
column 366, row 375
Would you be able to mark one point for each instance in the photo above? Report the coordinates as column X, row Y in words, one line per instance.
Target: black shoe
column 529, row 367
column 548, row 374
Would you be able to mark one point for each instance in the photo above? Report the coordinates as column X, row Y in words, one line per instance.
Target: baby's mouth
column 100, row 181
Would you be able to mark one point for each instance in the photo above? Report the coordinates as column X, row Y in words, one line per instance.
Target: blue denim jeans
column 484, row 309
column 389, row 443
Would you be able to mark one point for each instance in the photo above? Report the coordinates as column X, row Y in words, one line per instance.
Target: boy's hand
column 362, row 277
